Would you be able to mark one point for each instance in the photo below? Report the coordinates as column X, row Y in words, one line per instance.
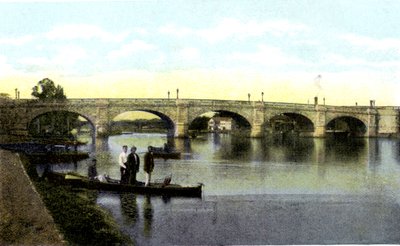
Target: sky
column 292, row 51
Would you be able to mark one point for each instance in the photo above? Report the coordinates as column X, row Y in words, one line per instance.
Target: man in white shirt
column 123, row 158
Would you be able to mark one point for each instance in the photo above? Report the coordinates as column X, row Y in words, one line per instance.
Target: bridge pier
column 182, row 119
column 320, row 121
column 372, row 130
column 257, row 128
column 102, row 130
column 181, row 130
column 257, row 131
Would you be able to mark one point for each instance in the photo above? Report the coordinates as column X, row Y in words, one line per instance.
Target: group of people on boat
column 130, row 163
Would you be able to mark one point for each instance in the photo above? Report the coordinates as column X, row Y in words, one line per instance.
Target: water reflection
column 147, row 215
column 255, row 188
column 129, row 208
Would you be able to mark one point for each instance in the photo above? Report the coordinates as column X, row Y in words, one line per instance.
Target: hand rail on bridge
column 200, row 102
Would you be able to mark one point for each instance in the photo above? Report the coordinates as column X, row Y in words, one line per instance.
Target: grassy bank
column 78, row 217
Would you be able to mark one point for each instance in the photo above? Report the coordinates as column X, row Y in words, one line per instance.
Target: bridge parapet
column 382, row 120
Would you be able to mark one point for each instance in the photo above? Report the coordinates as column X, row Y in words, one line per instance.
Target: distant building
column 221, row 124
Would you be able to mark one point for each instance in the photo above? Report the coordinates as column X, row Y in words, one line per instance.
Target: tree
column 4, row 95
column 47, row 90
column 56, row 123
column 200, row 123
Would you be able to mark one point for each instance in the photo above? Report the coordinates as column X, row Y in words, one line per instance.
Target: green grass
column 78, row 217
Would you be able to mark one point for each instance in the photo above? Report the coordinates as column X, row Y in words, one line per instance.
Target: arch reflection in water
column 335, row 184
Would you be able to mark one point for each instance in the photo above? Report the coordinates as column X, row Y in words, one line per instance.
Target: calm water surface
column 261, row 191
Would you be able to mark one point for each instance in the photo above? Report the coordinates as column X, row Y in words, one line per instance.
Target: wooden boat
column 167, row 155
column 162, row 153
column 78, row 181
column 59, row 141
column 56, row 157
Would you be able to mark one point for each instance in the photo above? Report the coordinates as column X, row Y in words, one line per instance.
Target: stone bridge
column 309, row 119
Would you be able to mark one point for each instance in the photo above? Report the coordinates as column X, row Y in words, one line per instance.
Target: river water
column 260, row 191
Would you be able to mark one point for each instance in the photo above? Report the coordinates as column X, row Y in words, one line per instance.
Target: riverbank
column 75, row 212
column 35, row 212
column 24, row 218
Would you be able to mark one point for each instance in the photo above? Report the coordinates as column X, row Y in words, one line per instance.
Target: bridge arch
column 240, row 121
column 36, row 127
column 346, row 125
column 290, row 122
column 169, row 123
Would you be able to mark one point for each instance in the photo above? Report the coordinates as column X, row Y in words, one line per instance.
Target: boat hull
column 166, row 155
column 67, row 157
column 153, row 189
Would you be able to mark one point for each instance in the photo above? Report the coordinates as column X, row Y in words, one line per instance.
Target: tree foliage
column 47, row 90
column 53, row 124
column 200, row 123
column 4, row 95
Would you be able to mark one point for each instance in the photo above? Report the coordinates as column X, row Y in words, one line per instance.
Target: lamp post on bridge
column 248, row 96
column 177, row 93
column 262, row 96
column 168, row 94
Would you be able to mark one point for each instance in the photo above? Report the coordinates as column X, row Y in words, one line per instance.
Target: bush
column 80, row 220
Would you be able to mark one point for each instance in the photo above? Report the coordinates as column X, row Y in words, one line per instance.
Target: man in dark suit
column 133, row 163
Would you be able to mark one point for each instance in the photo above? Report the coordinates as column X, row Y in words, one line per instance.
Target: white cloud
column 141, row 31
column 69, row 55
column 189, row 54
column 16, row 41
column 131, row 48
column 5, row 67
column 267, row 56
column 354, row 61
column 235, row 28
column 34, row 61
column 228, row 28
column 176, row 31
column 84, row 31
column 65, row 56
column 160, row 60
column 373, row 44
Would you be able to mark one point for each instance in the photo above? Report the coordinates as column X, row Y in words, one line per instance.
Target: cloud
column 373, row 44
column 267, row 56
column 189, row 54
column 69, row 55
column 159, row 60
column 131, row 48
column 84, row 31
column 16, row 41
column 173, row 30
column 34, row 61
column 349, row 61
column 5, row 67
column 228, row 28
column 233, row 28
column 65, row 56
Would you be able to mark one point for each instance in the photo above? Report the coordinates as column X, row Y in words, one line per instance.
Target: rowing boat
column 56, row 157
column 78, row 181
column 167, row 155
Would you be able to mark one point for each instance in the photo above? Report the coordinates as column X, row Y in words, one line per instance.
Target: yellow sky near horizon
column 338, row 89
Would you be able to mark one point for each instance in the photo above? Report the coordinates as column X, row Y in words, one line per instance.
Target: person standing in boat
column 123, row 158
column 92, row 170
column 133, row 163
column 148, row 164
